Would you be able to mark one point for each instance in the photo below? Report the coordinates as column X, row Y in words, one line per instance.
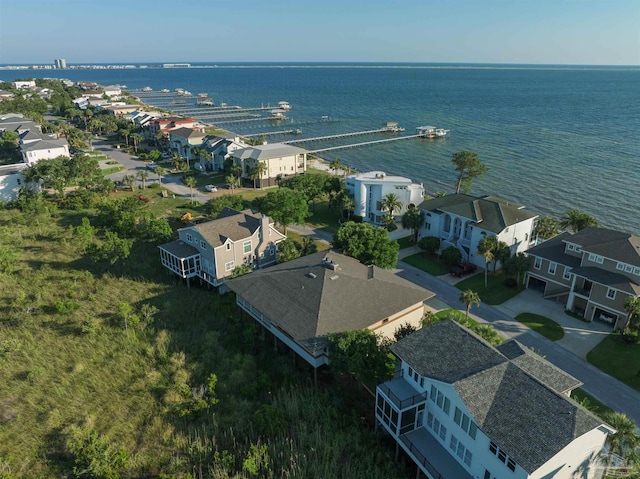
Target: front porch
column 180, row 258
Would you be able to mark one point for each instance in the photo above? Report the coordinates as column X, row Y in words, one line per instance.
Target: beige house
column 593, row 271
column 302, row 301
column 213, row 249
column 184, row 139
column 280, row 161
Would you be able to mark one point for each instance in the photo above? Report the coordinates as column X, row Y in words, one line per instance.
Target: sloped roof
column 44, row 145
column 230, row 224
column 611, row 244
column 610, row 279
column 488, row 212
column 554, row 250
column 265, row 152
column 180, row 249
column 187, row 132
column 309, row 298
column 529, row 419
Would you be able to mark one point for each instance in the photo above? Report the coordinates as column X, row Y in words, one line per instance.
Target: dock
column 296, row 131
column 340, row 135
column 365, row 143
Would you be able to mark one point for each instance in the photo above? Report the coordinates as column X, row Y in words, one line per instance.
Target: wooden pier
column 296, row 131
column 365, row 143
column 340, row 135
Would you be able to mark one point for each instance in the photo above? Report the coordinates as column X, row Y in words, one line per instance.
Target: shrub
column 451, row 256
column 510, row 283
column 67, row 306
column 429, row 244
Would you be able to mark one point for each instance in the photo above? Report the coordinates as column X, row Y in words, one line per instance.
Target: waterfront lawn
column 323, row 218
column 618, row 358
column 495, row 292
column 426, row 264
column 589, row 402
column 542, row 325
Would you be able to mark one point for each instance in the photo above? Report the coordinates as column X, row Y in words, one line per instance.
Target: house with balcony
column 593, row 271
column 463, row 220
column 183, row 140
column 211, row 250
column 281, row 160
column 463, row 409
column 166, row 124
column 368, row 190
column 301, row 301
column 220, row 149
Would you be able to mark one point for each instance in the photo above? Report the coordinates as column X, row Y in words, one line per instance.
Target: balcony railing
column 402, row 403
column 421, row 459
column 582, row 292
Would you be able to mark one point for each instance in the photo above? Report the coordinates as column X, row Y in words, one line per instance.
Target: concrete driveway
column 579, row 337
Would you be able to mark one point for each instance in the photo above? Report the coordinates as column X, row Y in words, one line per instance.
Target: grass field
column 427, row 264
column 542, row 325
column 495, row 292
column 617, row 358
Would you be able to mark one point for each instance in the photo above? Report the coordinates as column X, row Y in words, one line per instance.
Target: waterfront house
column 281, row 160
column 463, row 409
column 463, row 220
column 593, row 271
column 211, row 250
column 166, row 124
column 220, row 148
column 183, row 140
column 301, row 301
column 120, row 109
column 369, row 189
column 24, row 84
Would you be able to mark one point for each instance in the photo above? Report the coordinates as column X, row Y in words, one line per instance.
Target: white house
column 281, row 160
column 24, row 84
column 462, row 409
column 11, row 180
column 113, row 90
column 220, row 149
column 17, row 123
column 368, row 190
column 183, row 140
column 463, row 220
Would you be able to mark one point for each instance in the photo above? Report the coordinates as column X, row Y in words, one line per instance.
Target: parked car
column 463, row 268
column 151, row 166
column 211, row 188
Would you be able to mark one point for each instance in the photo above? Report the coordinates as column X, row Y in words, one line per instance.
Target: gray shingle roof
column 309, row 300
column 489, row 212
column 265, row 152
column 230, row 224
column 180, row 249
column 187, row 133
column 44, row 145
column 612, row 244
column 553, row 250
column 608, row 278
column 527, row 418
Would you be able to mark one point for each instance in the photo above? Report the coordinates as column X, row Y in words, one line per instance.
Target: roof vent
column 312, row 275
column 329, row 264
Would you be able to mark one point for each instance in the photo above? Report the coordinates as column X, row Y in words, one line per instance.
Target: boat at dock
column 164, row 90
column 431, row 132
column 278, row 114
column 284, row 105
column 392, row 127
column 147, row 88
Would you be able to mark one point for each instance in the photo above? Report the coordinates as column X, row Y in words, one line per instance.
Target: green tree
column 285, row 206
column 517, row 265
column 451, row 256
column 129, row 180
column 546, row 227
column 362, row 354
column 113, row 249
column 310, row 185
column 85, row 233
column 190, row 181
column 632, row 307
column 93, row 456
column 469, row 298
column 335, row 165
column 430, row 244
column 287, row 250
column 403, row 331
column 413, row 219
column 625, row 440
column 143, row 175
column 9, row 141
column 160, row 172
column 501, row 254
column 214, row 206
column 468, row 166
column 51, row 173
column 258, row 171
column 391, row 203
column 487, row 247
column 241, row 270
column 576, row 220
column 308, row 246
column 233, row 182
column 367, row 244
column 137, row 139
column 8, row 260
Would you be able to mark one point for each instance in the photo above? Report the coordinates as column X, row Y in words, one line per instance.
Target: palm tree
column 486, row 249
column 502, row 253
column 469, row 298
column 335, row 165
column 576, row 220
column 137, row 138
column 129, row 180
column 390, row 202
column 190, row 181
column 125, row 132
column 261, row 169
column 546, row 227
column 625, row 440
column 187, row 152
column 143, row 175
column 413, row 219
column 233, row 182
column 160, row 171
column 176, row 159
column 632, row 307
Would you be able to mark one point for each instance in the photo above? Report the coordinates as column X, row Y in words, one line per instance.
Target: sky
column 582, row 32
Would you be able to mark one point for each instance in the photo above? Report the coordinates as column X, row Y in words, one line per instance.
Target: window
column 189, row 238
column 203, row 245
column 571, row 247
column 465, row 423
column 628, row 268
column 537, row 264
column 595, row 258
column 272, row 251
column 440, row 399
column 611, row 293
column 228, row 246
column 567, row 273
column 620, row 266
column 493, row 447
column 462, row 452
column 552, row 268
column 502, row 456
column 229, row 266
column 246, row 247
column 511, row 464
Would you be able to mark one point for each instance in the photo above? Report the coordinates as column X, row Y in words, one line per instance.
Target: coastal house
column 113, row 91
column 166, row 124
column 120, row 110
column 17, row 123
column 5, row 95
column 211, row 250
column 463, row 409
column 220, row 149
column 593, row 271
column 11, row 180
column 24, row 84
column 463, row 220
column 183, row 140
column 368, row 190
column 281, row 160
column 43, row 149
column 301, row 301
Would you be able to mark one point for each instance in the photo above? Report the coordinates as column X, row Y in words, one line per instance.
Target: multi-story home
column 301, row 301
column 17, row 123
column 166, row 124
column 36, row 146
column 368, row 190
column 462, row 409
column 463, row 220
column 220, row 149
column 280, row 160
column 213, row 249
column 594, row 271
column 183, row 140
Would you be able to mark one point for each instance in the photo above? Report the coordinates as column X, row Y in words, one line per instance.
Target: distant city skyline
column 569, row 32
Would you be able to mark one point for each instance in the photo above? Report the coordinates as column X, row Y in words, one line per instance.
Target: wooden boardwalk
column 365, row 143
column 340, row 135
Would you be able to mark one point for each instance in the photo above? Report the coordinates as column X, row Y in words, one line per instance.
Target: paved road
column 610, row 391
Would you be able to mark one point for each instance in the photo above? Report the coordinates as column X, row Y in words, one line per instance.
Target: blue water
column 554, row 137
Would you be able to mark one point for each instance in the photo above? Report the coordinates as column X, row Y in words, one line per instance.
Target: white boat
column 278, row 114
column 284, row 105
column 179, row 91
column 392, row 127
column 147, row 88
column 164, row 90
column 187, row 93
column 441, row 132
column 431, row 132
column 206, row 102
column 203, row 95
